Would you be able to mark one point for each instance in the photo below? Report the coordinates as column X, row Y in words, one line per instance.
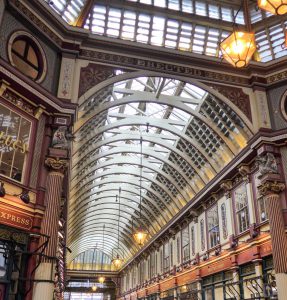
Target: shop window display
column 14, row 140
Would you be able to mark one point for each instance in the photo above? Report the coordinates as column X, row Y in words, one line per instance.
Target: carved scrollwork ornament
column 269, row 187
column 56, row 164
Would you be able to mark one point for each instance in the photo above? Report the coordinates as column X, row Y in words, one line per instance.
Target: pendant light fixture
column 102, row 278
column 117, row 260
column 275, row 7
column 239, row 47
column 140, row 235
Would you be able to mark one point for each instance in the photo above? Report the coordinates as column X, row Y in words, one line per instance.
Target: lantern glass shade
column 102, row 279
column 275, row 7
column 140, row 236
column 94, row 288
column 238, row 48
column 117, row 262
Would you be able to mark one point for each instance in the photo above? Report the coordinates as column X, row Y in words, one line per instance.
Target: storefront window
column 188, row 292
column 248, row 282
column 214, row 286
column 241, row 208
column 213, row 226
column 270, row 286
column 14, row 140
column 185, row 244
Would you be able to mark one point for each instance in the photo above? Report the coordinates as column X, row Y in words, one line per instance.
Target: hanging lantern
column 140, row 236
column 275, row 7
column 94, row 288
column 102, row 279
column 117, row 262
column 238, row 48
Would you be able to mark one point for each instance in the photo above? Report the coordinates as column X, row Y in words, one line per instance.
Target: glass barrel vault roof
column 188, row 135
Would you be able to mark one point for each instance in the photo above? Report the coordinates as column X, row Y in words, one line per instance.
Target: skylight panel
column 200, row 8
column 180, row 114
column 213, row 11
column 187, row 6
column 226, row 14
column 160, row 3
column 174, row 4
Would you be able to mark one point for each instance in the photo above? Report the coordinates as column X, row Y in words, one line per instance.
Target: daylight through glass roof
column 188, row 135
column 196, row 26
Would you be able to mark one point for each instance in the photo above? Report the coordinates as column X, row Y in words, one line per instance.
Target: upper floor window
column 171, row 253
column 185, row 244
column 241, row 208
column 192, row 241
column 213, row 226
column 224, row 221
column 202, row 236
column 178, row 250
column 261, row 201
column 26, row 54
column 152, row 265
column 14, row 141
column 166, row 257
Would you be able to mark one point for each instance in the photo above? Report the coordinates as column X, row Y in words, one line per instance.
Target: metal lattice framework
column 188, row 136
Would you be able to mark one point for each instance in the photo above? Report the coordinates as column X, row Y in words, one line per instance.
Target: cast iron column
column 57, row 164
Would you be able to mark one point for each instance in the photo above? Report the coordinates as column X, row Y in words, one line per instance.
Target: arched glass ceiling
column 92, row 259
column 196, row 26
column 191, row 135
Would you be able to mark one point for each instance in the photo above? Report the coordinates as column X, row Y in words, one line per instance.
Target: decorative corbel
column 227, row 187
column 244, row 171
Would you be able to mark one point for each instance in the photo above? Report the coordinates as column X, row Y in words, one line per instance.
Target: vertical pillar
column 44, row 276
column 199, row 289
column 259, row 274
column 236, row 286
column 271, row 190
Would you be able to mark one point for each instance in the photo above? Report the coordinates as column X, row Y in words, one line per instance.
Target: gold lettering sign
column 15, row 219
column 7, row 140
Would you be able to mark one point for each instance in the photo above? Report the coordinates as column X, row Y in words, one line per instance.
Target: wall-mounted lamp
column 205, row 256
column 2, row 190
column 24, row 196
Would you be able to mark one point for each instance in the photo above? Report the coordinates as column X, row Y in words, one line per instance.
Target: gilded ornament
column 270, row 187
column 56, row 163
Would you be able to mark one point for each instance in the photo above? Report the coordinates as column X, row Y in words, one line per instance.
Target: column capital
column 271, row 187
column 56, row 164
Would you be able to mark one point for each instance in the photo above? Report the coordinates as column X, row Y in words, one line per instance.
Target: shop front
column 13, row 258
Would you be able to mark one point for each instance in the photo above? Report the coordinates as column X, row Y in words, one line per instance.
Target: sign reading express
column 15, row 219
